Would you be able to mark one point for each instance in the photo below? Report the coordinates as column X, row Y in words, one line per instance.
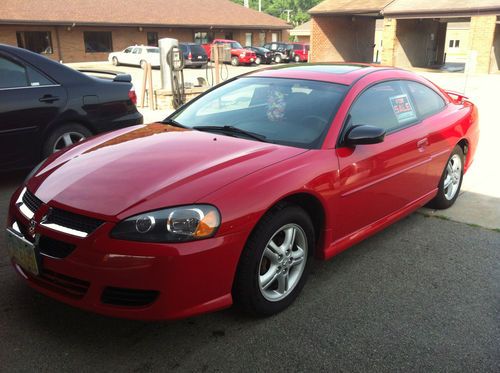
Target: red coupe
column 230, row 198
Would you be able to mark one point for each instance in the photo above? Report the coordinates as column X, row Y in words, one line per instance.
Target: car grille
column 128, row 297
column 55, row 248
column 73, row 221
column 31, row 201
column 62, row 284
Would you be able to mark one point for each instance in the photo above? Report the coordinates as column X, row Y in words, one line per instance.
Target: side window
column 426, row 100
column 12, row 75
column 37, row 79
column 136, row 51
column 128, row 50
column 386, row 105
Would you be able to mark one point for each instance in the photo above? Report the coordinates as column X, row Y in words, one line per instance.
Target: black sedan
column 263, row 55
column 46, row 106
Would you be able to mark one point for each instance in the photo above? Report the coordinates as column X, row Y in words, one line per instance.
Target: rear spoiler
column 118, row 77
column 460, row 97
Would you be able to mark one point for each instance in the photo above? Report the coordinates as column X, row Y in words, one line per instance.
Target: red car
column 299, row 52
column 239, row 55
column 230, row 198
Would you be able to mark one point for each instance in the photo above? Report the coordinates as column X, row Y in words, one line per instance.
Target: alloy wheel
column 67, row 139
column 451, row 181
column 282, row 263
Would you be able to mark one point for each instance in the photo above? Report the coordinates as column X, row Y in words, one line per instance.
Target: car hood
column 148, row 167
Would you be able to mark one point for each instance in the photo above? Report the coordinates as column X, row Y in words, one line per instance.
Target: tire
column 60, row 137
column 296, row 58
column 115, row 61
column 143, row 64
column 235, row 61
column 450, row 184
column 259, row 286
column 277, row 58
column 258, row 61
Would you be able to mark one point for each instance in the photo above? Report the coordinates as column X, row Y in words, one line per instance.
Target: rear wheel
column 258, row 61
column 277, row 58
column 143, row 64
column 275, row 262
column 65, row 136
column 296, row 58
column 451, row 181
column 235, row 61
column 115, row 61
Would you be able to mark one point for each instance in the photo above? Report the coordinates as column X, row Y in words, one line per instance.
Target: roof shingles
column 180, row 13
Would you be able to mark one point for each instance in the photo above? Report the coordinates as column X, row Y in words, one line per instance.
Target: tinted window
column 184, row 48
column 386, row 105
column 37, row 79
column 97, row 41
column 286, row 111
column 426, row 100
column 12, row 75
column 153, row 50
column 128, row 50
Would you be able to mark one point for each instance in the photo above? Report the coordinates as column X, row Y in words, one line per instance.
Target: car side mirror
column 364, row 134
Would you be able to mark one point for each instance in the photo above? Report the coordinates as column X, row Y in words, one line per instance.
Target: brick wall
column 342, row 38
column 482, row 32
column 68, row 43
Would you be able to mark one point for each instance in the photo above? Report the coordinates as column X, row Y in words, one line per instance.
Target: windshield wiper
column 231, row 130
column 173, row 122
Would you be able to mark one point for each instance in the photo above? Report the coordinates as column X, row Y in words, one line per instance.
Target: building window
column 201, row 37
column 153, row 39
column 262, row 38
column 454, row 44
column 97, row 41
column 274, row 37
column 248, row 39
column 35, row 41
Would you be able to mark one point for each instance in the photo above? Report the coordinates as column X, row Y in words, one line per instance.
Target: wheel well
column 52, row 128
column 464, row 144
column 314, row 209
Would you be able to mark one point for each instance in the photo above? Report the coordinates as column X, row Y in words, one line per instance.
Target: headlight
column 177, row 224
column 243, row 54
column 34, row 171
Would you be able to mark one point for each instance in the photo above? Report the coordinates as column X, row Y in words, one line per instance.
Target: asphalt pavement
column 423, row 295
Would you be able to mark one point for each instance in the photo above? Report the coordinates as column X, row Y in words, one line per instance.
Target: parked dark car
column 194, row 55
column 282, row 51
column 263, row 55
column 46, row 106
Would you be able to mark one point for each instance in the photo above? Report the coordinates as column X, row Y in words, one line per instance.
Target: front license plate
column 22, row 252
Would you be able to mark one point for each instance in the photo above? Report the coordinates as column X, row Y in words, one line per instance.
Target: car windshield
column 289, row 112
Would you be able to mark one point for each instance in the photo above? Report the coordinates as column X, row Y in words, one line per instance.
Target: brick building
column 74, row 31
column 414, row 33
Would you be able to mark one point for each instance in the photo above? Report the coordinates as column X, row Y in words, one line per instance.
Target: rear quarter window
column 427, row 101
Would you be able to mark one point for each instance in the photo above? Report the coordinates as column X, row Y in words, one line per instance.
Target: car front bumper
column 109, row 276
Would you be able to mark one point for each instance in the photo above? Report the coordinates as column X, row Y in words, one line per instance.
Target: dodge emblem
column 31, row 227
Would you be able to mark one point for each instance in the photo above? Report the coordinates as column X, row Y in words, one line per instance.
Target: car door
column 29, row 101
column 379, row 180
column 126, row 55
column 135, row 57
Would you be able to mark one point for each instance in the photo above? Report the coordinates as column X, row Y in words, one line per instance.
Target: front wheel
column 275, row 262
column 143, row 64
column 115, row 61
column 258, row 61
column 235, row 61
column 277, row 58
column 296, row 58
column 451, row 181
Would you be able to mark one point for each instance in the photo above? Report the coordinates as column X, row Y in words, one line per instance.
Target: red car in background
column 239, row 55
column 299, row 52
column 230, row 198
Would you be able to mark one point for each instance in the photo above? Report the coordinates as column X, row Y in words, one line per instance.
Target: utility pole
column 246, row 4
column 260, row 5
column 288, row 11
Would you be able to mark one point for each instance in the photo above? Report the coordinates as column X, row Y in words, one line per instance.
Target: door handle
column 422, row 144
column 48, row 98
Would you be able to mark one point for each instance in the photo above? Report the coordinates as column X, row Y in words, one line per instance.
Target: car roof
column 342, row 73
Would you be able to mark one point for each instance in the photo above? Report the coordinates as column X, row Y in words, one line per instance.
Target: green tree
column 279, row 8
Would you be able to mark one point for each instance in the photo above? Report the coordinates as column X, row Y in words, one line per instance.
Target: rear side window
column 386, row 105
column 12, row 75
column 197, row 49
column 426, row 100
column 37, row 79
